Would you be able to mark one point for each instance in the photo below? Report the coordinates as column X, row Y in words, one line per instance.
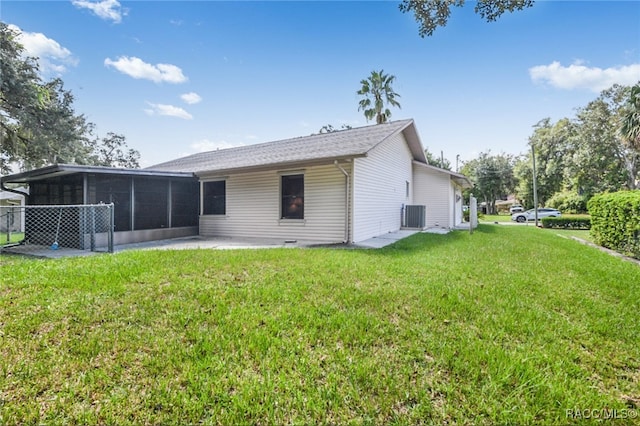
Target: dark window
column 214, row 196
column 292, row 189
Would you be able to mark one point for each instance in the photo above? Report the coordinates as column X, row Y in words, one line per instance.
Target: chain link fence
column 38, row 230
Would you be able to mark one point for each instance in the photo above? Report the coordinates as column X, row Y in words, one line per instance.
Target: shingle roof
column 327, row 146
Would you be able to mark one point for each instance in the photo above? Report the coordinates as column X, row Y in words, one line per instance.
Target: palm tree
column 630, row 124
column 376, row 91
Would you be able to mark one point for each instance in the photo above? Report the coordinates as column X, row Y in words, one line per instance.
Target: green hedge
column 579, row 222
column 615, row 221
column 568, row 202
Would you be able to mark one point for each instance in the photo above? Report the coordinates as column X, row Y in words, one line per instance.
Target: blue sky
column 181, row 77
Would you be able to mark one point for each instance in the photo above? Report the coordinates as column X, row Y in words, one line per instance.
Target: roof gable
column 342, row 144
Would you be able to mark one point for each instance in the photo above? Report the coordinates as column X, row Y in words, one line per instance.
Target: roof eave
column 410, row 132
column 411, row 136
column 67, row 169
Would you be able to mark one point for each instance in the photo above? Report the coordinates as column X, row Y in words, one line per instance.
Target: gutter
column 346, row 201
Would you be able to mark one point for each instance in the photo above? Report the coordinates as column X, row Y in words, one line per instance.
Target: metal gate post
column 9, row 226
column 111, row 226
column 92, row 225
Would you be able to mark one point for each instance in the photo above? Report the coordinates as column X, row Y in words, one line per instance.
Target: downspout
column 346, row 201
column 4, row 188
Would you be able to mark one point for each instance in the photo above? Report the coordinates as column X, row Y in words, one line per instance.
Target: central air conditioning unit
column 415, row 216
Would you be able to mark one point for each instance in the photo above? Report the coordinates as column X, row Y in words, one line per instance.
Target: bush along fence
column 615, row 221
column 566, row 222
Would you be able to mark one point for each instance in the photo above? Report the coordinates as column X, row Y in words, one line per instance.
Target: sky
column 180, row 77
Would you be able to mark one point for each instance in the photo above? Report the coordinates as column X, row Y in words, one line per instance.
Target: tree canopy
column 38, row 124
column 112, row 151
column 431, row 14
column 492, row 176
column 630, row 120
column 377, row 94
column 432, row 160
column 599, row 159
column 576, row 158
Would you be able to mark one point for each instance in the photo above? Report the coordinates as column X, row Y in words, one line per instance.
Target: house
column 344, row 186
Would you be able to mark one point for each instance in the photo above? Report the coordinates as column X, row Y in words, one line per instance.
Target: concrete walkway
column 386, row 239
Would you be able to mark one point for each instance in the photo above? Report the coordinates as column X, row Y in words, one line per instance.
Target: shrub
column 568, row 202
column 466, row 213
column 577, row 222
column 615, row 221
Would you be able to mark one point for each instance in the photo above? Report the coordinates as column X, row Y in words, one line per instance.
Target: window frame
column 299, row 195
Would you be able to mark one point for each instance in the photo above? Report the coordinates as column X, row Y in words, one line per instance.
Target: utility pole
column 457, row 159
column 535, row 184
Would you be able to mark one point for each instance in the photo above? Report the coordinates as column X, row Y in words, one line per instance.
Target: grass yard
column 495, row 218
column 582, row 234
column 437, row 329
column 13, row 237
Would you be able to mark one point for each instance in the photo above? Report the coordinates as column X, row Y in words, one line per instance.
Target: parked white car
column 516, row 208
column 530, row 214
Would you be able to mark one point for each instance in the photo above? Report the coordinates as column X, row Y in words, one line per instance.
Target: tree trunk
column 632, row 170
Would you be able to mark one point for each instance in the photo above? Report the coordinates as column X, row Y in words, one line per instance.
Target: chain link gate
column 64, row 229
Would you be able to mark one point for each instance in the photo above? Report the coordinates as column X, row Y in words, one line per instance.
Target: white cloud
column 109, row 10
column 191, row 98
column 137, row 68
column 579, row 76
column 205, row 145
column 168, row 110
column 52, row 57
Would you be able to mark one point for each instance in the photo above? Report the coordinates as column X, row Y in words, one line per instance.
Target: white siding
column 379, row 188
column 253, row 207
column 434, row 190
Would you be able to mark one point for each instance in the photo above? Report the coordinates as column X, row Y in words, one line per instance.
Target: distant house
column 13, row 198
column 11, row 213
column 345, row 186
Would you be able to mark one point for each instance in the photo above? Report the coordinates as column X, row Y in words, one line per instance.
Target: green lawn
column 13, row 237
column 495, row 218
column 582, row 234
column 437, row 329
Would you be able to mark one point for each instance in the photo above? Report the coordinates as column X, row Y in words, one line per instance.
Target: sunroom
column 148, row 205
